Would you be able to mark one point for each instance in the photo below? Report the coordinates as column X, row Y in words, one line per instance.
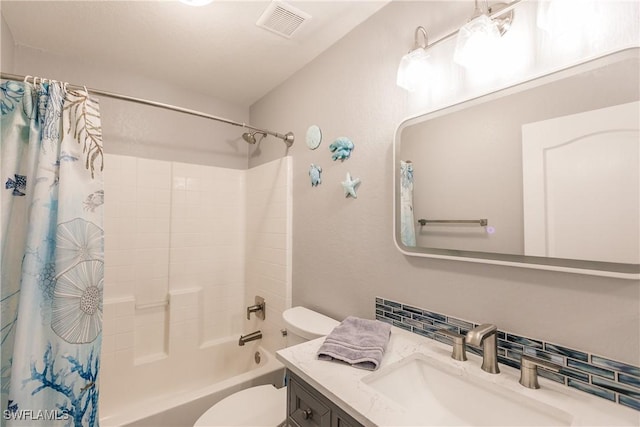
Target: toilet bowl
column 266, row 405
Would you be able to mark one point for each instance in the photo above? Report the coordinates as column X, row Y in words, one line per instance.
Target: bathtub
column 180, row 395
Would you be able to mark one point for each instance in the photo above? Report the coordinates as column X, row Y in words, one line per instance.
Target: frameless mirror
column 544, row 174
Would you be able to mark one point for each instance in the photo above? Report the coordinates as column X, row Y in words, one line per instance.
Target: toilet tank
column 304, row 325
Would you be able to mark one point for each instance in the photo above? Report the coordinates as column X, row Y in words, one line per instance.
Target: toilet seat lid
column 308, row 324
column 262, row 405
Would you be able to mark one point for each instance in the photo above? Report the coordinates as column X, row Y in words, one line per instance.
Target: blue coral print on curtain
column 52, row 275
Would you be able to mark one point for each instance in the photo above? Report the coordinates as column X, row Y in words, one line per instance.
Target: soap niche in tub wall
column 602, row 377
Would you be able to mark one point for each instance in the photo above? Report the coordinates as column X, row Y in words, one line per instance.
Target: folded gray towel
column 359, row 342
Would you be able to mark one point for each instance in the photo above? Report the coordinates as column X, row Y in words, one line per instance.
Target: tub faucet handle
column 259, row 308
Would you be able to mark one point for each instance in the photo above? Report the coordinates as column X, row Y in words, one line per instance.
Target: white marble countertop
column 343, row 385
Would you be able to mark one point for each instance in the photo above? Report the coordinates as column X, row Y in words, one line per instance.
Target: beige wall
column 7, row 45
column 343, row 250
column 206, row 240
column 142, row 131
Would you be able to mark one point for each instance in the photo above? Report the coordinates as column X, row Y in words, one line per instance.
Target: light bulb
column 413, row 69
column 477, row 42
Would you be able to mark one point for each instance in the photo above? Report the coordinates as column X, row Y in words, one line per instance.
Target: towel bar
column 481, row 222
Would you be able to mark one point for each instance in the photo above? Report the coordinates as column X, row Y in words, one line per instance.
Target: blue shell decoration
column 314, row 174
column 341, row 148
column 313, row 137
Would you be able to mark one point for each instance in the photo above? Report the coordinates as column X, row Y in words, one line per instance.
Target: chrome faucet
column 486, row 335
column 249, row 337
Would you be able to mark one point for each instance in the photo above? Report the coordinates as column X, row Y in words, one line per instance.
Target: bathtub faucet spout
column 249, row 337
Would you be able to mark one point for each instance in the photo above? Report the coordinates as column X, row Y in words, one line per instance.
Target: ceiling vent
column 282, row 19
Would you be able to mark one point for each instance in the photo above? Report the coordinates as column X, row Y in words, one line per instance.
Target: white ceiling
column 217, row 49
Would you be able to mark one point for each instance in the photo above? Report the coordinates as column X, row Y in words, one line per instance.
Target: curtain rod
column 288, row 138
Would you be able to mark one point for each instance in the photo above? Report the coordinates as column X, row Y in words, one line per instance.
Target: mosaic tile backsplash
column 615, row 381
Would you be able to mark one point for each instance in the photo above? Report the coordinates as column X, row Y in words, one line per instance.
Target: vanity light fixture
column 477, row 40
column 414, row 66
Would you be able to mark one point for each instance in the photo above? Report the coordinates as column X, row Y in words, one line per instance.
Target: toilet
column 266, row 405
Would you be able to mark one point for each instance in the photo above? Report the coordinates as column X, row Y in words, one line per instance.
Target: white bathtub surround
column 343, row 384
column 189, row 392
column 135, row 388
column 268, row 243
column 178, row 273
column 136, row 228
column 175, row 227
column 207, row 244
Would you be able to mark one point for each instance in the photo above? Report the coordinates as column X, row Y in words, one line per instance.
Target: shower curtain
column 407, row 221
column 52, row 254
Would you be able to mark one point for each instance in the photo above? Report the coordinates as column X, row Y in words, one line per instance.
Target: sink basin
column 438, row 394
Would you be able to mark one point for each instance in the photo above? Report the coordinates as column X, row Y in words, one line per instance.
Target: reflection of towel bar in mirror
column 481, row 222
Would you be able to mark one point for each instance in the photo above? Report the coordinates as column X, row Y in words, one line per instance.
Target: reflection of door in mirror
column 575, row 168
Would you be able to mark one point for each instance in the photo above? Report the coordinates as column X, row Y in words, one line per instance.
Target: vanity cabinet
column 306, row 407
